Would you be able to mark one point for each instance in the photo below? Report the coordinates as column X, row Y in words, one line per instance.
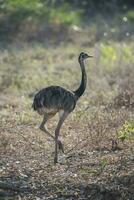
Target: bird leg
column 43, row 126
column 57, row 132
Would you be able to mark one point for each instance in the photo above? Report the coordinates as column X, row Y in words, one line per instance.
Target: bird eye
column 82, row 56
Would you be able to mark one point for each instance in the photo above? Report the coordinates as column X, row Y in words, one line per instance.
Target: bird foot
column 61, row 159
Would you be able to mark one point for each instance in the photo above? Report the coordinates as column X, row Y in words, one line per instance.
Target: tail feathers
column 38, row 103
column 33, row 106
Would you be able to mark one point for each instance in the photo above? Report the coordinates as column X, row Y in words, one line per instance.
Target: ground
column 98, row 136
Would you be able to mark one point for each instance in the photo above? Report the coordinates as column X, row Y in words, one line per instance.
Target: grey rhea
column 56, row 99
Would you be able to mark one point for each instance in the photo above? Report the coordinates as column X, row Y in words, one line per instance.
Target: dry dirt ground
column 94, row 168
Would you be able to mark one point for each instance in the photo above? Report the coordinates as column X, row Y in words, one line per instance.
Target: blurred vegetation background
column 36, row 36
column 52, row 19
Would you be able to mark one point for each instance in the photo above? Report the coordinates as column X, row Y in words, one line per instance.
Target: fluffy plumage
column 54, row 98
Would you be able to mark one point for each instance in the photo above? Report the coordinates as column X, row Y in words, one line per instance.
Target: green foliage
column 108, row 52
column 128, row 54
column 38, row 10
column 35, row 6
column 111, row 53
column 127, row 131
column 64, row 15
column 29, row 19
column 130, row 15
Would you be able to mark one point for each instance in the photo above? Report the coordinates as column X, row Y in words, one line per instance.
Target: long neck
column 83, row 83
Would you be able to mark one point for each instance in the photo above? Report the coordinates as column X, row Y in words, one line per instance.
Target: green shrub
column 127, row 131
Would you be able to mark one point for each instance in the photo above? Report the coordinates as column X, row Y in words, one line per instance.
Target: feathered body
column 53, row 99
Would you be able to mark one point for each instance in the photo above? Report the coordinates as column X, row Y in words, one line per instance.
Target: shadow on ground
column 29, row 187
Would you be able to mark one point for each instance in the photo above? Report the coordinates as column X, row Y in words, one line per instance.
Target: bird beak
column 89, row 56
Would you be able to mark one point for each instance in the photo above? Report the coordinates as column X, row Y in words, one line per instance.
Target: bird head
column 84, row 56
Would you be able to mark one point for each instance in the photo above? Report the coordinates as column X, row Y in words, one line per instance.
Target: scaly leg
column 63, row 116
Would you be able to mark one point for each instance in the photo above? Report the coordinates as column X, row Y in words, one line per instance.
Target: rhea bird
column 56, row 99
